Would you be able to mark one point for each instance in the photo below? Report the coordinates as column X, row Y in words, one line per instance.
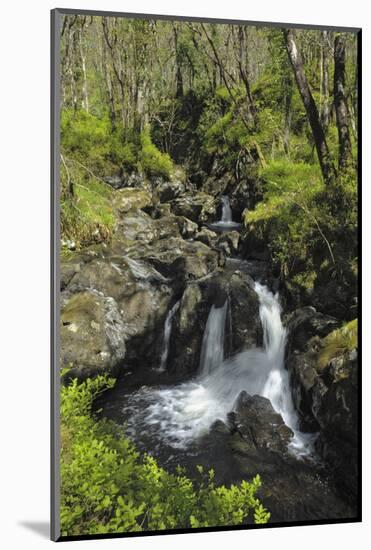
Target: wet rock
column 337, row 415
column 186, row 338
column 199, row 208
column 245, row 330
column 260, row 425
column 183, row 260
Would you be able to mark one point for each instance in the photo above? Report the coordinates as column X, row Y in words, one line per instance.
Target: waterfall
column 167, row 334
column 212, row 351
column 185, row 412
column 226, row 210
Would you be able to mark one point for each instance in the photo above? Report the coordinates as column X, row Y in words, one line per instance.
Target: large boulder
column 199, row 208
column 246, row 329
column 183, row 260
column 306, row 322
column 129, row 199
column 169, row 190
column 92, row 334
column 254, row 440
column 206, row 236
column 188, row 327
column 141, row 295
column 259, row 424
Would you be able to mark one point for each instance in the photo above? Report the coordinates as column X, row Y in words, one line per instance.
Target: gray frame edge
column 162, row 17
column 55, row 276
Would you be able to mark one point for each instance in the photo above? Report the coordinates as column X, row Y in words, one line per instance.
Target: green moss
column 305, row 280
column 338, row 342
column 152, row 160
column 86, row 216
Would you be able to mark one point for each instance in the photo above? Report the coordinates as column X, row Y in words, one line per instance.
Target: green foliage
column 153, row 162
column 84, row 136
column 86, row 213
column 107, row 487
column 93, row 141
column 337, row 343
column 310, row 228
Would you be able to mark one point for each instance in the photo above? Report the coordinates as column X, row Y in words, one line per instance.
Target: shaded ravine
column 193, row 420
column 179, row 415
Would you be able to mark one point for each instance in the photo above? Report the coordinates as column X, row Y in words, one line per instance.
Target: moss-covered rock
column 324, row 376
column 92, row 334
column 129, row 199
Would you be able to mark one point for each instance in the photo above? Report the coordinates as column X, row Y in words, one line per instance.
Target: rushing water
column 226, row 210
column 167, row 334
column 180, row 414
column 226, row 223
column 212, row 352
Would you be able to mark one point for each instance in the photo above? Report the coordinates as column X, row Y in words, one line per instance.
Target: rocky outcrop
column 169, row 190
column 305, row 323
column 199, row 208
column 324, row 373
column 245, row 328
column 140, row 273
column 255, row 439
column 188, row 326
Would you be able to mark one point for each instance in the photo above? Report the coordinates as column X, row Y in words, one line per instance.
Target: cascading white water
column 185, row 412
column 167, row 334
column 212, row 352
column 226, row 210
column 226, row 223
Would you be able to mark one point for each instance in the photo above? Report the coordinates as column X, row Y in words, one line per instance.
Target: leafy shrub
column 107, row 487
column 153, row 162
column 85, row 137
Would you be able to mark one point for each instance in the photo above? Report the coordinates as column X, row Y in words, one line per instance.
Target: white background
column 24, row 241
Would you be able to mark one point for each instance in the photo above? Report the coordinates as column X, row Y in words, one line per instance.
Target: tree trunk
column 244, row 72
column 325, row 81
column 327, row 168
column 342, row 115
column 85, row 94
column 178, row 68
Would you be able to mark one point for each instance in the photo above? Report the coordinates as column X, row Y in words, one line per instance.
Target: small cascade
column 186, row 411
column 167, row 334
column 226, row 210
column 212, row 351
column 226, row 223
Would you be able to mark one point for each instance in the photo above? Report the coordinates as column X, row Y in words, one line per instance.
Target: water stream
column 226, row 223
column 178, row 415
column 166, row 337
column 226, row 210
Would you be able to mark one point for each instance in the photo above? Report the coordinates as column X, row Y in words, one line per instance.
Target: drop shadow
column 41, row 528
